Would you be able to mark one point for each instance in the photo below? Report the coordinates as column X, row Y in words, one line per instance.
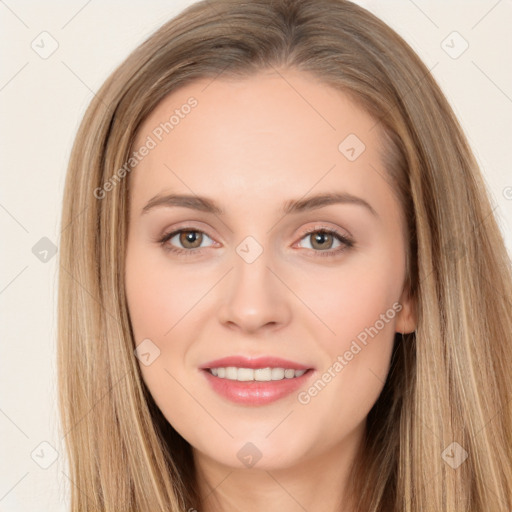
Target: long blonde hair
column 448, row 381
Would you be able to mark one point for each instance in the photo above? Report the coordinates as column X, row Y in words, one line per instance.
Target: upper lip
column 255, row 362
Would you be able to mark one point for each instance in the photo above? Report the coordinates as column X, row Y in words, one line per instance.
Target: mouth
column 255, row 382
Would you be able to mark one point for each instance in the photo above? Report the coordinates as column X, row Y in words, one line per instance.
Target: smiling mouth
column 255, row 374
column 257, row 386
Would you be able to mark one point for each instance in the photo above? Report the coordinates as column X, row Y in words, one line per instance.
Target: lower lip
column 256, row 392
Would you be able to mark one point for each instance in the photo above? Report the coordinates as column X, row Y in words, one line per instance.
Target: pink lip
column 258, row 362
column 255, row 392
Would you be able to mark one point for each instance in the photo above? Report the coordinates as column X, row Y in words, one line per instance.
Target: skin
column 250, row 145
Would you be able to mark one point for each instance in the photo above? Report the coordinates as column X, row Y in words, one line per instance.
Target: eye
column 323, row 241
column 190, row 239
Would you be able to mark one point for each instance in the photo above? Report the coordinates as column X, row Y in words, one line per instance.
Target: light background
column 42, row 102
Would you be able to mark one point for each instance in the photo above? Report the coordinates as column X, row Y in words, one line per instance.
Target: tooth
column 263, row 374
column 277, row 373
column 245, row 374
column 258, row 374
column 231, row 373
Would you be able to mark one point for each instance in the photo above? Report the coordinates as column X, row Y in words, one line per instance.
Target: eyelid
column 330, row 229
column 184, row 226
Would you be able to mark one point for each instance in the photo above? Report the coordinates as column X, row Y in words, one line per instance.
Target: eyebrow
column 207, row 205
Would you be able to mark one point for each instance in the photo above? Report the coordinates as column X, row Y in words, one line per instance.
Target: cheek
column 359, row 304
column 159, row 298
column 159, row 295
column 353, row 297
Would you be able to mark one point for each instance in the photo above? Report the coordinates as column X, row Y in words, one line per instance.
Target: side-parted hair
column 450, row 380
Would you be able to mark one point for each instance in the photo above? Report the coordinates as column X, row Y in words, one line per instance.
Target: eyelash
column 348, row 243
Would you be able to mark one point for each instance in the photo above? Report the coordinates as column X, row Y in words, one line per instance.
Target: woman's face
column 249, row 281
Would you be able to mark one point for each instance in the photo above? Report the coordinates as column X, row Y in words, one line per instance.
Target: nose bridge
column 251, row 270
column 254, row 296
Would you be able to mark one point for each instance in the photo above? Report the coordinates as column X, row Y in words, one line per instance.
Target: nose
column 254, row 297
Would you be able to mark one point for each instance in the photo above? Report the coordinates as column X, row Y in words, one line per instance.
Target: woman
column 244, row 371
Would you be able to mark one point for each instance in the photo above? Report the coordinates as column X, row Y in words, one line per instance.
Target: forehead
column 270, row 135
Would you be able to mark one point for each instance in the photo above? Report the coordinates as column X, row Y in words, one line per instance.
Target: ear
column 407, row 318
